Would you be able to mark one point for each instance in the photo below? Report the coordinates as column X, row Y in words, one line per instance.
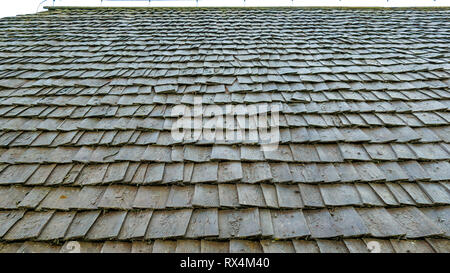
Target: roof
column 87, row 152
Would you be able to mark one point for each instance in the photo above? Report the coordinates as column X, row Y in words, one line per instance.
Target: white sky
column 15, row 7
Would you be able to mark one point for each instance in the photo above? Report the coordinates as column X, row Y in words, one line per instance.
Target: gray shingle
column 380, row 223
column 135, row 224
column 239, row 223
column 168, row 224
column 289, row 224
column 107, row 226
column 29, row 226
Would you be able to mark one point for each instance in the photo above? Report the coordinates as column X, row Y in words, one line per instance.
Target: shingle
column 280, row 172
column 266, row 223
column 439, row 245
column 118, row 197
column 429, row 151
column 437, row 170
column 356, row 246
column 304, row 246
column 380, row 152
column 321, row 224
column 130, row 153
column 354, row 135
column 188, row 246
column 203, row 223
column 60, row 198
column 440, row 217
column 245, row 246
column 403, row 151
column 239, row 223
column 289, row 224
column 436, row 192
column 330, row 246
column 379, row 134
column 251, row 153
column 288, row 196
column 277, row 246
column 180, row 196
column 139, row 175
column 256, row 172
column 157, row 153
column 197, row 153
column 393, row 171
column 81, row 224
column 400, row 194
column 430, row 118
column 329, row 153
column 347, row 172
column 204, row 172
column 151, row 197
column 228, row 195
column 116, row 247
column 168, row 224
column 29, row 226
column 368, row 195
column 206, row 196
column 300, row 134
column 104, row 154
column 107, row 226
column 57, row 226
column 353, row 152
column 15, row 174
column 384, row 193
column 250, row 195
column 116, row 172
column 135, row 224
column 141, row 247
column 282, row 153
column 328, row 173
column 225, row 152
column 34, row 197
column 369, row 171
column 187, row 172
column 416, row 193
column 411, row 246
column 305, row 173
column 348, row 222
column 8, row 219
column 154, row 173
column 209, row 246
column 88, row 197
column 415, row 222
column 380, row 223
column 229, row 172
column 91, row 174
column 339, row 195
column 164, row 246
column 177, row 154
column 11, row 196
column 310, row 195
column 38, row 247
column 405, row 134
column 172, row 173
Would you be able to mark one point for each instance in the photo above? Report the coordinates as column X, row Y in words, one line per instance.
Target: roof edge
column 248, row 7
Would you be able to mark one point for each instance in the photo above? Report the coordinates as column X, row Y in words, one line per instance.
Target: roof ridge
column 256, row 7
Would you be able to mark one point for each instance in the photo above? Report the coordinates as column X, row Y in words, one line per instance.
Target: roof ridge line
column 248, row 7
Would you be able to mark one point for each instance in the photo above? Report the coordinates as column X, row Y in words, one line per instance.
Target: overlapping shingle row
column 87, row 99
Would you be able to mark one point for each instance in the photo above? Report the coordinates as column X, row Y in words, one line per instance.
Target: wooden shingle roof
column 87, row 154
